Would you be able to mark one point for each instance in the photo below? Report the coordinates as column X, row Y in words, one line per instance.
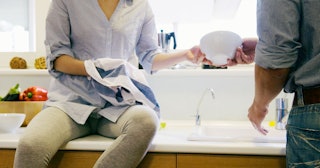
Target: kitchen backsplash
column 179, row 91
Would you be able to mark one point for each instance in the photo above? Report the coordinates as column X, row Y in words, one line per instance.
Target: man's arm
column 268, row 84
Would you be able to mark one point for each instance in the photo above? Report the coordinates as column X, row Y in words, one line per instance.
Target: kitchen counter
column 171, row 139
column 171, row 147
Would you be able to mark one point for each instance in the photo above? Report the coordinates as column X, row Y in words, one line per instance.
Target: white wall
column 189, row 28
column 179, row 91
column 190, row 20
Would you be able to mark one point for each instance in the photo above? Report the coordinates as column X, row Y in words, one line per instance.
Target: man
column 287, row 57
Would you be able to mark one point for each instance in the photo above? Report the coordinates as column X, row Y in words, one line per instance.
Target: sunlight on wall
column 189, row 29
column 17, row 26
column 189, row 19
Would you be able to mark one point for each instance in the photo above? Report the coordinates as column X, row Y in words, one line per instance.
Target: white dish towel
column 120, row 83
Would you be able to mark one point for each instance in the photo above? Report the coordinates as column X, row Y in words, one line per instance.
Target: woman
column 103, row 34
column 89, row 30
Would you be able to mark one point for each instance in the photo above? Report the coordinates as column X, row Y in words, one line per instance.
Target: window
column 22, row 23
column 191, row 19
column 17, row 26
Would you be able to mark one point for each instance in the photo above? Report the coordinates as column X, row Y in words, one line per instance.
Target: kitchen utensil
column 164, row 40
column 10, row 122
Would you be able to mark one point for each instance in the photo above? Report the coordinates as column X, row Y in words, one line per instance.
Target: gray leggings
column 52, row 128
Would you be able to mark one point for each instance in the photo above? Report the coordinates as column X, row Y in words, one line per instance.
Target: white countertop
column 172, row 138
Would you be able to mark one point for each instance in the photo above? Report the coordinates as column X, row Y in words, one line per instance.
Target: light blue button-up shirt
column 79, row 28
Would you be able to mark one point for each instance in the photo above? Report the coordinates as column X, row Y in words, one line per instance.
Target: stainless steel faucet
column 198, row 119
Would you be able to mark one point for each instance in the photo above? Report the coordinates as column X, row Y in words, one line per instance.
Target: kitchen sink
column 236, row 133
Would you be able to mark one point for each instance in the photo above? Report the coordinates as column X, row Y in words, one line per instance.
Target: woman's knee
column 136, row 120
column 145, row 117
column 31, row 145
column 139, row 120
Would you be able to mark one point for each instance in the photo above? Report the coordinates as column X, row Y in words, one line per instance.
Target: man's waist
column 310, row 96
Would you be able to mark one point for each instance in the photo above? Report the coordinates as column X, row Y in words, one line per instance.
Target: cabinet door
column 229, row 161
column 159, row 160
column 75, row 159
column 6, row 157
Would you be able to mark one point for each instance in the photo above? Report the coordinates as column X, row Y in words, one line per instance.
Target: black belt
column 310, row 96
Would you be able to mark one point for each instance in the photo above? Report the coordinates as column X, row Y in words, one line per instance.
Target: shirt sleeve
column 278, row 33
column 147, row 47
column 57, row 40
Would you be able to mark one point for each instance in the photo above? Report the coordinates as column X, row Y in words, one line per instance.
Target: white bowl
column 219, row 46
column 10, row 122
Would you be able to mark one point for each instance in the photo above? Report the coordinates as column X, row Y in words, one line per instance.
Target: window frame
column 37, row 24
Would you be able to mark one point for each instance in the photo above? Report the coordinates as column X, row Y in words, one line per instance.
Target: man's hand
column 244, row 54
column 256, row 115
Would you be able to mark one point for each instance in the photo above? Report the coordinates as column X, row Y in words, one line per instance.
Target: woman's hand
column 197, row 57
column 69, row 65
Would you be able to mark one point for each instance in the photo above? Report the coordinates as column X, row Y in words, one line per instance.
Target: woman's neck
column 108, row 7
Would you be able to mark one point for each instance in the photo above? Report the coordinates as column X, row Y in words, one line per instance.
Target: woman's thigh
column 56, row 124
column 133, row 118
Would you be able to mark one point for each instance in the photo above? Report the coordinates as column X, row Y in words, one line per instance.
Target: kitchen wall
column 179, row 91
column 189, row 19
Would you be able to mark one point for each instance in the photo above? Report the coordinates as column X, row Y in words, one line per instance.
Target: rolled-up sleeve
column 57, row 40
column 278, row 34
column 147, row 48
